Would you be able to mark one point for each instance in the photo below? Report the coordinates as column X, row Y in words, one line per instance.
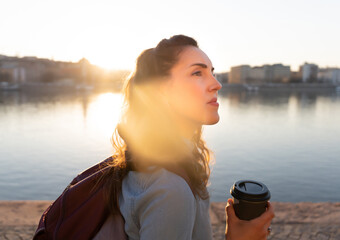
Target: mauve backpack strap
column 112, row 229
column 88, row 172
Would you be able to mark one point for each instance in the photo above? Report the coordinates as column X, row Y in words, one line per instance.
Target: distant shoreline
column 116, row 87
column 315, row 87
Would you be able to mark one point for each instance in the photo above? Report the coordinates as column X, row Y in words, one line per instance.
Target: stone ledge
column 294, row 221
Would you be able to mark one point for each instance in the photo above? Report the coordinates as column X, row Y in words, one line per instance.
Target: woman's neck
column 187, row 129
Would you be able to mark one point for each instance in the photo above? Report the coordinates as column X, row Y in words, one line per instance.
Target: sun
column 104, row 112
column 111, row 55
column 111, row 62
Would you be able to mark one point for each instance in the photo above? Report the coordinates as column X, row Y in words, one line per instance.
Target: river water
column 290, row 141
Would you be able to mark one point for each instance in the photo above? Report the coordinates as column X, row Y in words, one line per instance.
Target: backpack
column 81, row 210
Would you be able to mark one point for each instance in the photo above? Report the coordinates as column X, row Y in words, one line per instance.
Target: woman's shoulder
column 157, row 198
column 157, row 180
column 156, row 194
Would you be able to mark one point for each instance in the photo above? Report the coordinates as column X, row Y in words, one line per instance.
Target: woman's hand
column 255, row 229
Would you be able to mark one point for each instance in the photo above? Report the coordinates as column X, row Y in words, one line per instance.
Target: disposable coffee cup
column 250, row 198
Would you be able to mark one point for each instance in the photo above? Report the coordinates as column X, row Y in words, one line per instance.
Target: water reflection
column 287, row 139
column 293, row 101
column 281, row 138
column 303, row 99
column 102, row 102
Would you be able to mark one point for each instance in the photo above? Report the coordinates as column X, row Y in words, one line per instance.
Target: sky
column 111, row 33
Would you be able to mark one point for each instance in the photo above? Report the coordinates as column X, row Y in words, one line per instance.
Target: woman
column 158, row 143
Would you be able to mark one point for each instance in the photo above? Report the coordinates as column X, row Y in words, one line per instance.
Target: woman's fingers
column 230, row 210
column 263, row 222
column 267, row 216
column 271, row 212
column 253, row 229
column 230, row 217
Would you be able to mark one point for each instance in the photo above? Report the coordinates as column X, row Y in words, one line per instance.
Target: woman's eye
column 198, row 73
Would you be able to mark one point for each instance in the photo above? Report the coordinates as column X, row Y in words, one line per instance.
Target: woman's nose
column 215, row 84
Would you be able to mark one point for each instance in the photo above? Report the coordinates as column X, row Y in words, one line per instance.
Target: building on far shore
column 280, row 72
column 309, row 72
column 239, row 74
column 295, row 77
column 277, row 73
column 40, row 70
column 35, row 71
column 257, row 74
column 13, row 73
column 329, row 75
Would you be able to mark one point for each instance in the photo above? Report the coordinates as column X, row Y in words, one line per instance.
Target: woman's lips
column 213, row 102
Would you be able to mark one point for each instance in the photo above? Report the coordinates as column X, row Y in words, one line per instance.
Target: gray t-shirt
column 161, row 205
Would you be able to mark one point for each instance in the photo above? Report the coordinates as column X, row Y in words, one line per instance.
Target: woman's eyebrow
column 199, row 64
column 202, row 65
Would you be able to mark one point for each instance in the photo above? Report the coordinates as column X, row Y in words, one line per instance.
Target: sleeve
column 167, row 211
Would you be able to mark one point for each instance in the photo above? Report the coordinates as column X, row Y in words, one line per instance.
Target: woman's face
column 192, row 89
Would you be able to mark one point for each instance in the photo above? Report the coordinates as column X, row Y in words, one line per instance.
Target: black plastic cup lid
column 249, row 190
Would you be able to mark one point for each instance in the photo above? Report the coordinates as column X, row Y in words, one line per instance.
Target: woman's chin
column 212, row 120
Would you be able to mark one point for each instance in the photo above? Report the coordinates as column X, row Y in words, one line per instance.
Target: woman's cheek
column 189, row 98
